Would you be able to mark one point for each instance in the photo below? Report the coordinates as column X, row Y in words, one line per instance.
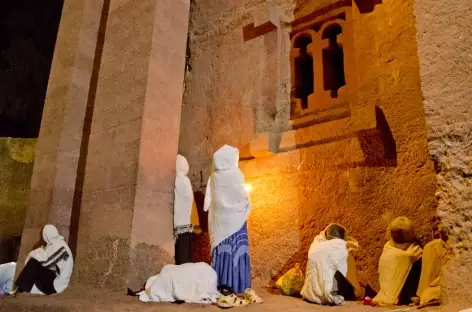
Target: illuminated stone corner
column 323, row 106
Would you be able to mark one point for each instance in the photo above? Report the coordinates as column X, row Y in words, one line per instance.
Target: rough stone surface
column 53, row 184
column 362, row 182
column 77, row 299
column 444, row 49
column 125, row 233
column 16, row 168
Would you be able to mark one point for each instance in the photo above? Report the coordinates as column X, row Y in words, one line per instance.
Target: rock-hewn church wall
column 444, row 49
column 361, row 182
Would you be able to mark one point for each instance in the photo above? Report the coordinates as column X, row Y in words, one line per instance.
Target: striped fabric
column 51, row 262
column 230, row 260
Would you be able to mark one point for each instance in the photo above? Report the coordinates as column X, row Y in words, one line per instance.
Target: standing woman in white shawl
column 229, row 205
column 49, row 268
column 185, row 213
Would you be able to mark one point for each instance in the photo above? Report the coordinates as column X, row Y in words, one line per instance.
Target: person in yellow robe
column 435, row 255
column 400, row 255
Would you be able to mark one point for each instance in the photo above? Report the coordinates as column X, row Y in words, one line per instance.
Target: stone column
column 444, row 32
column 53, row 184
column 126, row 225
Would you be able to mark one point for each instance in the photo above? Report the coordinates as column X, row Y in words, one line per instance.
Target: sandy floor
column 77, row 299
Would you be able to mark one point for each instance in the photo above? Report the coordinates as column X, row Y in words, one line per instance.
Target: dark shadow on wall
column 378, row 145
column 367, row 6
column 79, row 182
column 201, row 243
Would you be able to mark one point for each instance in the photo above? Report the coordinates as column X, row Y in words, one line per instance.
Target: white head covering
column 226, row 199
column 56, row 255
column 183, row 194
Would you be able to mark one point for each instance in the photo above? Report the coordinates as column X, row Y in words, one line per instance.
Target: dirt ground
column 78, row 299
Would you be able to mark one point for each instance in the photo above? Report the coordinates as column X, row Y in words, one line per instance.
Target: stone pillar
column 53, row 184
column 126, row 225
column 444, row 32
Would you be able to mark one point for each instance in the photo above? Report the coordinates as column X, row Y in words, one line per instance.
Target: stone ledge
column 316, row 130
column 77, row 299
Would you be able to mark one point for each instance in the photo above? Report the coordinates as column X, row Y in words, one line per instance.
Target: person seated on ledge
column 331, row 274
column 48, row 268
column 399, row 265
column 435, row 255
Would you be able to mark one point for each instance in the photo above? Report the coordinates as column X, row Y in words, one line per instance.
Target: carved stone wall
column 360, row 158
column 444, row 49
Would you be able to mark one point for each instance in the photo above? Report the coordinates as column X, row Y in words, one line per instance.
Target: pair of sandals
column 229, row 299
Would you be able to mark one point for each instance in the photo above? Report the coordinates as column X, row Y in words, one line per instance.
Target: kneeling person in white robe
column 189, row 282
column 48, row 269
column 331, row 270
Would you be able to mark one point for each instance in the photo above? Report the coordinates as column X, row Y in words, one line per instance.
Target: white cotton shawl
column 183, row 194
column 190, row 282
column 325, row 257
column 55, row 253
column 226, row 199
column 7, row 275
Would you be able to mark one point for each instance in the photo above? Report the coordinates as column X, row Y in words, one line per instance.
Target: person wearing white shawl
column 48, row 269
column 7, row 275
column 228, row 204
column 185, row 213
column 189, row 282
column 331, row 270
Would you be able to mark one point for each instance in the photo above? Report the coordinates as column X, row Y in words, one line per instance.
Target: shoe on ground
column 231, row 301
column 251, row 296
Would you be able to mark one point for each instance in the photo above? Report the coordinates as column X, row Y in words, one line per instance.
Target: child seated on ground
column 331, row 270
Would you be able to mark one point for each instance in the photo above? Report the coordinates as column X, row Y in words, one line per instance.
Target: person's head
column 335, row 231
column 438, row 229
column 50, row 233
column 181, row 165
column 225, row 158
column 401, row 231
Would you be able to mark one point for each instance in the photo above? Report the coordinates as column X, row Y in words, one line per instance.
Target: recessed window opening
column 333, row 61
column 304, row 76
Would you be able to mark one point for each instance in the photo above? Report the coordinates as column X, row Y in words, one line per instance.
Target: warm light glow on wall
column 248, row 187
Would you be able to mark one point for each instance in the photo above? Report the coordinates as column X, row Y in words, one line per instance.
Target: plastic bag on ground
column 291, row 283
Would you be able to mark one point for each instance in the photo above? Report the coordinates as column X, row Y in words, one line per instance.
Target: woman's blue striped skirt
column 230, row 260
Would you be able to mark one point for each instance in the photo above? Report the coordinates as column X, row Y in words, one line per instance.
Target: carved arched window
column 321, row 53
column 303, row 69
column 333, row 60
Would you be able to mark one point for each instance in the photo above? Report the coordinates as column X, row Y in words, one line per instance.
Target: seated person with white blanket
column 189, row 282
column 331, row 269
column 48, row 269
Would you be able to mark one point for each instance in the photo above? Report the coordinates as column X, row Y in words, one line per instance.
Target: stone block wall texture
column 297, row 194
column 16, row 168
column 52, row 192
column 444, row 32
column 125, row 228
